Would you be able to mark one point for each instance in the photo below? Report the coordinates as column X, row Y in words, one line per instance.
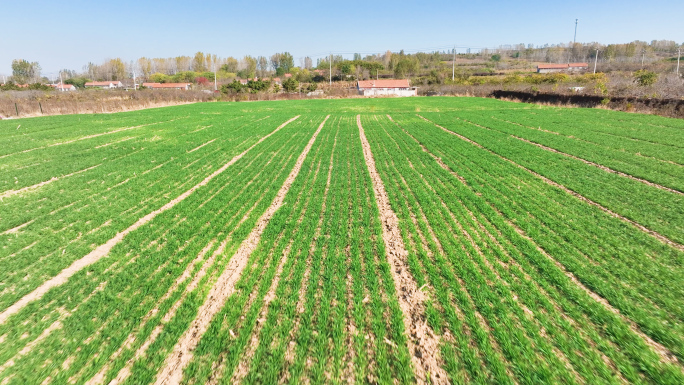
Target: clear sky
column 70, row 33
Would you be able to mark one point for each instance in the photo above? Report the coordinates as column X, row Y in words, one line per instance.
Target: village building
column 168, row 86
column 570, row 67
column 63, row 87
column 107, row 84
column 392, row 87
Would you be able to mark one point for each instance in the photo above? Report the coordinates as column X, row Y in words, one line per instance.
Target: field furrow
column 390, row 241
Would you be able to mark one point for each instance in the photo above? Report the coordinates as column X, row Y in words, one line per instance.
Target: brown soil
column 10, row 193
column 15, row 230
column 655, row 234
column 201, row 145
column 102, row 250
column 423, row 344
column 172, row 371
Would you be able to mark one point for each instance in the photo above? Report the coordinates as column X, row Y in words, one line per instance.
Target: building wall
column 387, row 91
column 550, row 70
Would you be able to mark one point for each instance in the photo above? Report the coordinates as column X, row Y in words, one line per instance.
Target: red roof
column 62, row 86
column 578, row 65
column 552, row 66
column 384, row 83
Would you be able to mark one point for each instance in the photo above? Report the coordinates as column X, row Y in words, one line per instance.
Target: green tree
column 117, row 68
column 230, row 66
column 234, row 87
column 78, row 82
column 159, row 78
column 24, row 71
column 496, row 57
column 645, row 78
column 346, row 68
column 290, row 85
column 199, row 62
column 282, row 63
column 405, row 67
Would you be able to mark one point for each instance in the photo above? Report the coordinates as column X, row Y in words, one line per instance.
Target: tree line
column 432, row 67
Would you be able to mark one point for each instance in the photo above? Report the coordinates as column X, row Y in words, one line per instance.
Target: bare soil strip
column 665, row 354
column 604, row 168
column 115, row 142
column 10, row 193
column 172, row 371
column 87, row 137
column 243, row 367
column 99, row 377
column 16, row 229
column 423, row 344
column 200, row 146
column 102, row 250
column 654, row 234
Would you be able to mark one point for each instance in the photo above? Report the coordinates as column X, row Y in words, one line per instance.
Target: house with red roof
column 168, row 86
column 570, row 67
column 107, row 84
column 391, row 87
column 63, row 87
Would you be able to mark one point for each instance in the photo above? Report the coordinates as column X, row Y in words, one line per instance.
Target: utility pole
column 330, row 74
column 679, row 54
column 215, row 85
column 596, row 60
column 453, row 66
column 643, row 55
column 574, row 40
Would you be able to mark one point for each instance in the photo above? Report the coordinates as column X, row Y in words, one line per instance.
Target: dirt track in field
column 172, row 371
column 10, row 193
column 422, row 341
column 102, row 250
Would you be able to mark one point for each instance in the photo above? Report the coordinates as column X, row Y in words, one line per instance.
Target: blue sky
column 69, row 34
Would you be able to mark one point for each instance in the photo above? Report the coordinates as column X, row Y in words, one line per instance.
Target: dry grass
column 38, row 103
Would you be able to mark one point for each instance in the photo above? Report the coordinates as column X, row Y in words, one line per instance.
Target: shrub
column 290, row 85
column 645, row 78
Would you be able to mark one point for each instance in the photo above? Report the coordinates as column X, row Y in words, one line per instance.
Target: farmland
column 422, row 240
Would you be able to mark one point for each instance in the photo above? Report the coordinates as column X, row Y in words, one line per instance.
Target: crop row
column 663, row 166
column 494, row 285
column 658, row 210
column 332, row 314
column 68, row 218
column 146, row 276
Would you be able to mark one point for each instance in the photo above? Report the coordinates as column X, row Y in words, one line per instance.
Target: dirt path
column 423, row 344
column 201, row 145
column 653, row 233
column 88, row 137
column 102, row 250
column 172, row 371
column 10, row 193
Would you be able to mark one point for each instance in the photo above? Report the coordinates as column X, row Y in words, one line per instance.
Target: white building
column 63, row 87
column 392, row 87
column 108, row 84
column 571, row 67
column 168, row 86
